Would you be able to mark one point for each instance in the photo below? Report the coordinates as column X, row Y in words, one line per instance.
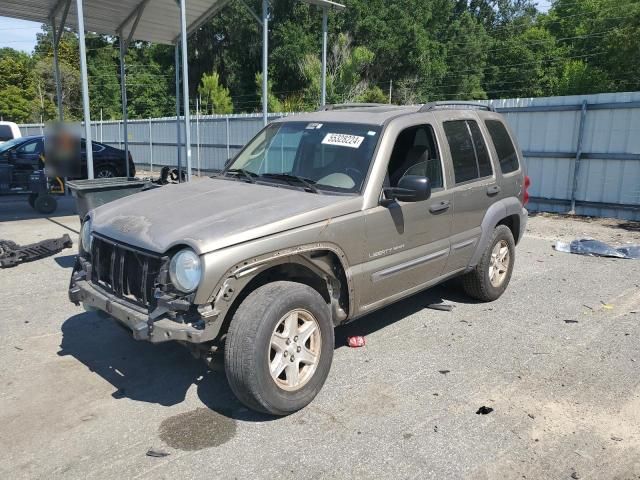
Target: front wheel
column 489, row 279
column 279, row 348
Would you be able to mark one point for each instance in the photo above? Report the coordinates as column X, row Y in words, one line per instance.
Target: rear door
column 475, row 183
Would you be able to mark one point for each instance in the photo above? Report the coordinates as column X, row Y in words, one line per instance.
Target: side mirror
column 411, row 188
column 11, row 155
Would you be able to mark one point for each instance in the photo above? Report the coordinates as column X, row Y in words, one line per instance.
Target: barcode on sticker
column 343, row 140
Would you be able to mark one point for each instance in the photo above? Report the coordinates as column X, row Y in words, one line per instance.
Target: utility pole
column 390, row 90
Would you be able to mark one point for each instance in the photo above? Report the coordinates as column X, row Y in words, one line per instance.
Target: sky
column 18, row 34
column 21, row 35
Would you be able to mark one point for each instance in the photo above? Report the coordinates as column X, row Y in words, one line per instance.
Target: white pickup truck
column 9, row 131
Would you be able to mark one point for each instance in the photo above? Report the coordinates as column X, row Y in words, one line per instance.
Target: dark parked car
column 25, row 154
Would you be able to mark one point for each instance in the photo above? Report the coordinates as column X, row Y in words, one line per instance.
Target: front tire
column 279, row 348
column 489, row 279
column 105, row 171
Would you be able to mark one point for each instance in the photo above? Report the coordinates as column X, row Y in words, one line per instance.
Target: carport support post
column 325, row 35
column 265, row 61
column 85, row 89
column 185, row 86
column 56, row 70
column 178, row 127
column 123, row 95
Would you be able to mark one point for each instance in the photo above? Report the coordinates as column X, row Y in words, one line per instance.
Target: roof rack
column 427, row 107
column 343, row 106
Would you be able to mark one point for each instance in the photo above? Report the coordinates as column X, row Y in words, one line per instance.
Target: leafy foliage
column 215, row 96
column 425, row 49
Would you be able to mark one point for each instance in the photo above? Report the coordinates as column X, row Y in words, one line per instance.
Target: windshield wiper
column 245, row 173
column 306, row 182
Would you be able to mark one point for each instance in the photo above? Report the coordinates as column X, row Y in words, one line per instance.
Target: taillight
column 527, row 184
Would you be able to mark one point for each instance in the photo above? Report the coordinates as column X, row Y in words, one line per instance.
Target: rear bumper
column 154, row 329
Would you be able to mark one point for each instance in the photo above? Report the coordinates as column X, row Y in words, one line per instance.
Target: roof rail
column 427, row 107
column 343, row 106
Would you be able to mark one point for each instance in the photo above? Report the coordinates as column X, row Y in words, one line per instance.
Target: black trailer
column 38, row 189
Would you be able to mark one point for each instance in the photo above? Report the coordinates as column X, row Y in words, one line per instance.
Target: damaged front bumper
column 157, row 326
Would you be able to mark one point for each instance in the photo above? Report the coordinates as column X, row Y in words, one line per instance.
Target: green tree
column 605, row 35
column 273, row 103
column 14, row 106
column 215, row 96
column 103, row 69
column 17, row 92
column 526, row 63
column 465, row 59
column 346, row 68
column 373, row 94
column 578, row 77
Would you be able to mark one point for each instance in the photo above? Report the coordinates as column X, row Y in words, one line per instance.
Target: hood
column 210, row 214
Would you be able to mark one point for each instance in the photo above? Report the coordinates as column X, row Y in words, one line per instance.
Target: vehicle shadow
column 449, row 293
column 163, row 373
column 145, row 372
column 16, row 207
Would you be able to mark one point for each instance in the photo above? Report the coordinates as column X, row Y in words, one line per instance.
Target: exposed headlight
column 185, row 270
column 85, row 236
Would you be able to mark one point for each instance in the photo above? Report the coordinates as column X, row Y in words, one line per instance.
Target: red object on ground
column 356, row 342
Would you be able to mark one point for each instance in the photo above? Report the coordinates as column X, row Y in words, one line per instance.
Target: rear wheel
column 45, row 203
column 489, row 279
column 105, row 171
column 279, row 348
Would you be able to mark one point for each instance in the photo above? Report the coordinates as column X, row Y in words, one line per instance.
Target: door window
column 468, row 150
column 504, row 146
column 415, row 153
column 29, row 148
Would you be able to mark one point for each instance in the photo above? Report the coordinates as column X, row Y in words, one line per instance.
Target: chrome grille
column 124, row 271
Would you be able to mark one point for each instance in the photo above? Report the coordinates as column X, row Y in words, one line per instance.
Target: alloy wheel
column 295, row 348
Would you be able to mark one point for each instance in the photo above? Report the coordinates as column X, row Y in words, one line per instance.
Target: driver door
column 408, row 242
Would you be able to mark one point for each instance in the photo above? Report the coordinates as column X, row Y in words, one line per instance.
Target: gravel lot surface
column 557, row 358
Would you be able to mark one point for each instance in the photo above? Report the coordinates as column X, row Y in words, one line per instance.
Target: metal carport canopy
column 160, row 22
column 157, row 21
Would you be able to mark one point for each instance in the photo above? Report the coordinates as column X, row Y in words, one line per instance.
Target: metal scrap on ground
column 12, row 254
column 595, row 248
column 440, row 306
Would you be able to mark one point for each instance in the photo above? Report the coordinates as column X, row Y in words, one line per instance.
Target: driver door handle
column 440, row 206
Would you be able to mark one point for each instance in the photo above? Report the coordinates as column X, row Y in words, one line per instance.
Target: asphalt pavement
column 557, row 359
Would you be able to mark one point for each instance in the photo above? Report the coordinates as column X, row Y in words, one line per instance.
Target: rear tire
column 45, row 204
column 490, row 278
column 284, row 328
column 105, row 171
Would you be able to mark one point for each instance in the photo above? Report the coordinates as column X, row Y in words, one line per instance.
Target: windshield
column 315, row 156
column 9, row 144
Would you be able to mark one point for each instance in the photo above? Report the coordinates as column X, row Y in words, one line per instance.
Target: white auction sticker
column 343, row 140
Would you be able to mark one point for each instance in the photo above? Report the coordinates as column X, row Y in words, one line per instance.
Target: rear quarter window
column 468, row 150
column 504, row 146
column 5, row 133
